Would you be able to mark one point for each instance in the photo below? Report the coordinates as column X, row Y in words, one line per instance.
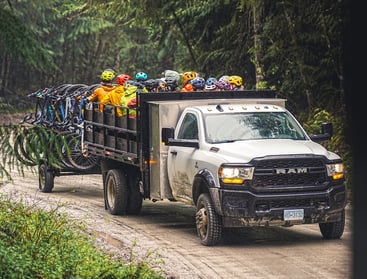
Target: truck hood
column 244, row 151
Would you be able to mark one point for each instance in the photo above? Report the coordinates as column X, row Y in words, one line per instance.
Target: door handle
column 174, row 153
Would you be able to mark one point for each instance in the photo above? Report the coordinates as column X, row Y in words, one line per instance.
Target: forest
column 294, row 47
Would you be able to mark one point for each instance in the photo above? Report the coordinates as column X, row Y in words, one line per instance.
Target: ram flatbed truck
column 240, row 157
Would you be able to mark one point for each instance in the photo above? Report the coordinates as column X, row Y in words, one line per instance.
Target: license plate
column 293, row 214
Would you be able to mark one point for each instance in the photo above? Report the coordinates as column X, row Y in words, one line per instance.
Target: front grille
column 290, row 203
column 294, row 172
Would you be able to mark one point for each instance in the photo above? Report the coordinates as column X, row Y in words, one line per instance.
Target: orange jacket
column 99, row 93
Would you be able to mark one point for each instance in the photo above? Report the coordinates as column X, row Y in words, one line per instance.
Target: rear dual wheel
column 45, row 178
column 122, row 196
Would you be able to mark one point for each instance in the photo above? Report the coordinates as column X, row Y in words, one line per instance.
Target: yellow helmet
column 187, row 76
column 236, row 80
column 107, row 75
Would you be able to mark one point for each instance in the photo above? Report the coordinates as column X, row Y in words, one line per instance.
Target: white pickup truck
column 239, row 156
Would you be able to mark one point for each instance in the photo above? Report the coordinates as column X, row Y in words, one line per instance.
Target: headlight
column 235, row 175
column 336, row 171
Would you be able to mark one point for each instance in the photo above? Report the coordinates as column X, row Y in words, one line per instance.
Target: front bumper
column 244, row 208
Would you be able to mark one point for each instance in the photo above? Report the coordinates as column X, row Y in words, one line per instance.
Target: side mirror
column 326, row 132
column 167, row 133
column 327, row 128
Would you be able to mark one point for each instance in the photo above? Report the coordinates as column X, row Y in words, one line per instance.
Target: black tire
column 208, row 222
column 45, row 178
column 78, row 159
column 20, row 152
column 333, row 230
column 36, row 143
column 135, row 199
column 59, row 144
column 116, row 192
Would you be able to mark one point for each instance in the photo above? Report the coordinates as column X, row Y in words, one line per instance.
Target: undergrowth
column 38, row 243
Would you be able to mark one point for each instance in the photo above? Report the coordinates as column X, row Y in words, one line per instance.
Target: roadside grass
column 38, row 243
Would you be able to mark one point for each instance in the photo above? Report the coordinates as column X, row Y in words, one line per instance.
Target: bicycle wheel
column 38, row 145
column 58, row 143
column 79, row 159
column 20, row 151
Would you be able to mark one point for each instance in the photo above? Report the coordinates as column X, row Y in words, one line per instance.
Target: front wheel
column 116, row 192
column 333, row 230
column 208, row 222
column 45, row 178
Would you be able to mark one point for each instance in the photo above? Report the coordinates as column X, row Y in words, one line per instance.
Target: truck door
column 181, row 166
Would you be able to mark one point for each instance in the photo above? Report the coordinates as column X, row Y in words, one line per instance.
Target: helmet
column 236, row 80
column 225, row 77
column 211, row 81
column 198, row 83
column 172, row 83
column 141, row 76
column 222, row 84
column 129, row 83
column 107, row 75
column 151, row 84
column 121, row 79
column 187, row 76
column 171, row 74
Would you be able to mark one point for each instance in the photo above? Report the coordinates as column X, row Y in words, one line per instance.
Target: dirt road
column 165, row 230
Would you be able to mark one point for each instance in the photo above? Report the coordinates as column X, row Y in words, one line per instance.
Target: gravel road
column 165, row 233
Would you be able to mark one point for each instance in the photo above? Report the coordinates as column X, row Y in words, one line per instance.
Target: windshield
column 251, row 126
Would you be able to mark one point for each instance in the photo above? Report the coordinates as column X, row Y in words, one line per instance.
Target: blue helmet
column 141, row 76
column 210, row 83
column 198, row 83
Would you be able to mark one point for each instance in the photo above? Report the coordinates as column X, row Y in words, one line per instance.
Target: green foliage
column 24, row 147
column 20, row 42
column 338, row 142
column 35, row 243
column 293, row 46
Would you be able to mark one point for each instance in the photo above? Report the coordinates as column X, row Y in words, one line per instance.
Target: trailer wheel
column 333, row 230
column 208, row 222
column 135, row 199
column 45, row 178
column 116, row 192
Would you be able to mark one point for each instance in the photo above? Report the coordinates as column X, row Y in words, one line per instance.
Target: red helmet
column 121, row 79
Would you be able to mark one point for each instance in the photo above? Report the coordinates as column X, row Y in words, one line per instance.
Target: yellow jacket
column 129, row 100
column 114, row 98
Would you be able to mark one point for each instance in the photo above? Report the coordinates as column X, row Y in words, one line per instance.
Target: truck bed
column 128, row 140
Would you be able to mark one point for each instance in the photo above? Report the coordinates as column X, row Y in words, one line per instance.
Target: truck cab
column 253, row 165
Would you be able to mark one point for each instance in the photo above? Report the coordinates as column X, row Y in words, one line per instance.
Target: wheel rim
column 202, row 222
column 111, row 193
column 42, row 178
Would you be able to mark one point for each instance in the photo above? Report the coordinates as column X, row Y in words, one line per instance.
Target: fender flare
column 203, row 183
